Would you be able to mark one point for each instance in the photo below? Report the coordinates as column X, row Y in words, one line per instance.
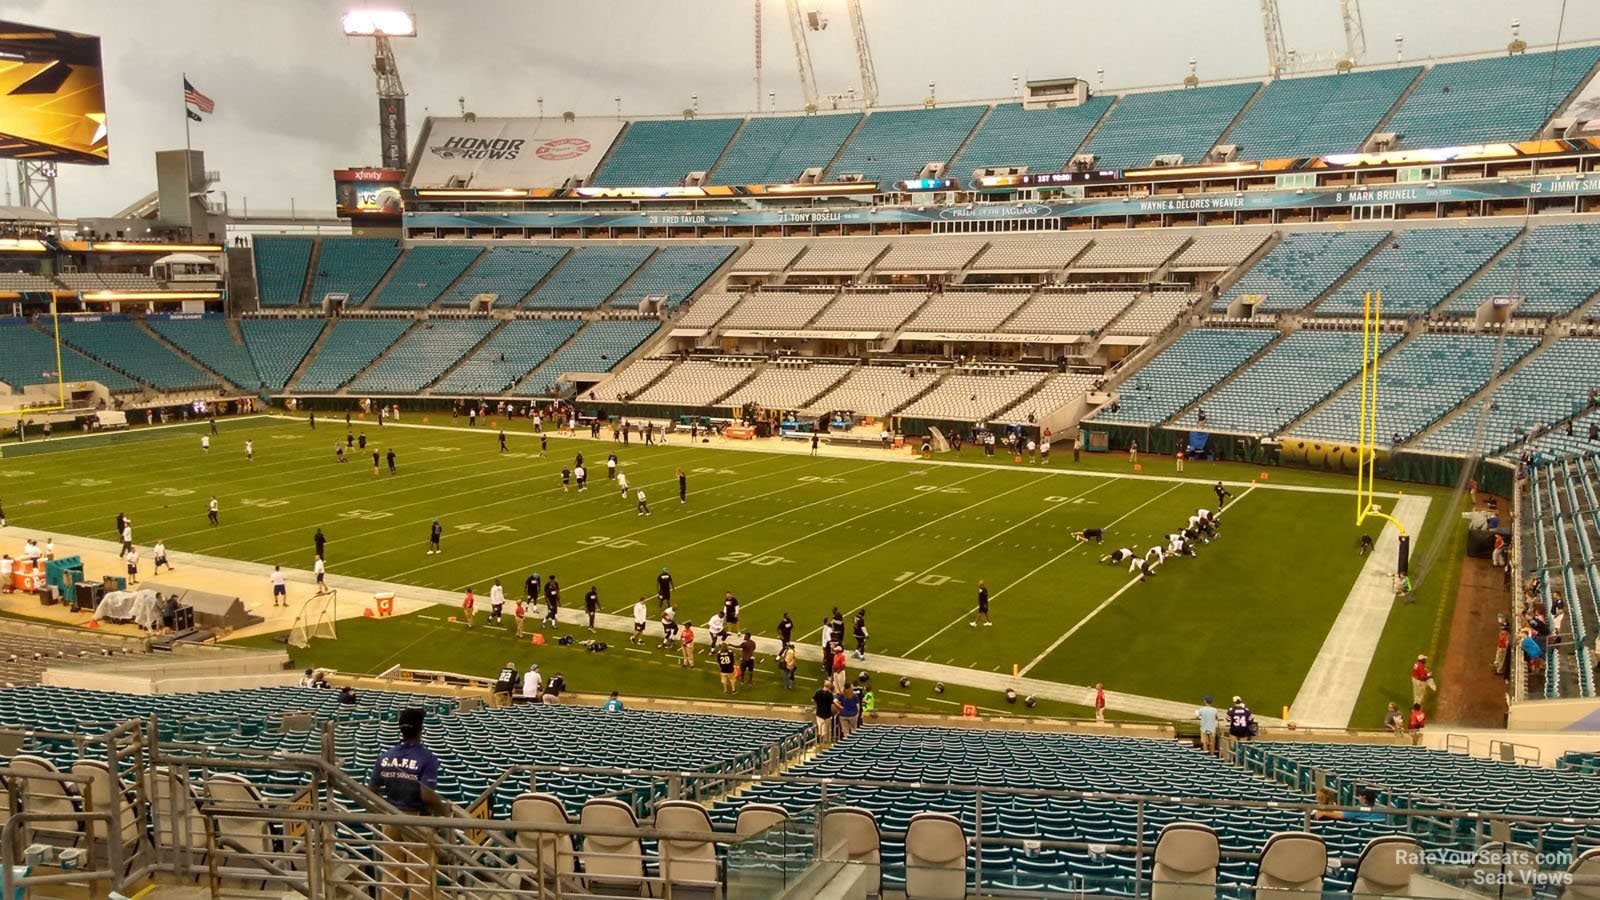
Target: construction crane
column 800, row 23
column 381, row 25
column 1283, row 60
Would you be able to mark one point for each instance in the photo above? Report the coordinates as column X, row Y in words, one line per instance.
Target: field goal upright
column 318, row 618
column 1367, row 429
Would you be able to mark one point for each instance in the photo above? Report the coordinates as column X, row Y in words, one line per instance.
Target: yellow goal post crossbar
column 61, row 380
column 1367, row 429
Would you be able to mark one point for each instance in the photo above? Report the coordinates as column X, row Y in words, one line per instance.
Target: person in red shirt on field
column 468, row 604
column 687, row 637
column 1099, row 702
column 1421, row 679
column 1418, row 718
column 839, row 663
column 1502, row 650
column 522, row 610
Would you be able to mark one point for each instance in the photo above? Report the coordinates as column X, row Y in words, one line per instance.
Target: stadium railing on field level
column 195, row 811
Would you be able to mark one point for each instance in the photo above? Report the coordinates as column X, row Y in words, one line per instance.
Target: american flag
column 194, row 98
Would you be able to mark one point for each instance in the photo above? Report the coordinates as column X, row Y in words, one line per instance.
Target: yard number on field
column 754, row 560
column 169, row 492
column 365, row 515
column 708, row 470
column 483, row 529
column 437, row 449
column 86, row 482
column 600, row 540
column 260, row 503
column 821, row 479
column 929, row 580
column 15, row 473
column 935, row 489
column 1060, row 499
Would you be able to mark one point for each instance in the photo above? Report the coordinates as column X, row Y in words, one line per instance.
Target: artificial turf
column 908, row 542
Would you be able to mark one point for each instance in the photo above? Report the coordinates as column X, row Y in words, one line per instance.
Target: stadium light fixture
column 379, row 23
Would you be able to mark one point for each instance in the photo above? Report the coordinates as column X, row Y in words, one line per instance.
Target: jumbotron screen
column 52, row 96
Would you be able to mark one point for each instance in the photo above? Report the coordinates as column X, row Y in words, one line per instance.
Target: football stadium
column 1179, row 491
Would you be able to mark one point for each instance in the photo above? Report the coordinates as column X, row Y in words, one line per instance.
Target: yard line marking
column 870, row 511
column 1105, row 603
column 665, row 524
column 967, row 549
column 808, row 576
column 429, row 618
column 1035, row 571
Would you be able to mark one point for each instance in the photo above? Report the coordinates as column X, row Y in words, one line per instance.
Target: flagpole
column 188, row 172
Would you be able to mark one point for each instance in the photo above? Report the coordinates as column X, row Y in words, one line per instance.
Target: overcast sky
column 295, row 98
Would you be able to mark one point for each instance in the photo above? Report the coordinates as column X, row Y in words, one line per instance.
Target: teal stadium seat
column 1295, row 375
column 1044, row 140
column 278, row 346
column 209, row 341
column 30, row 358
column 123, row 346
column 893, row 145
column 1555, row 268
column 779, row 149
column 675, row 272
column 1553, row 385
column 352, row 265
column 423, row 274
column 1300, row 268
column 351, row 346
column 281, row 264
column 1417, row 269
column 1142, row 127
column 509, row 354
column 423, row 355
column 597, row 348
column 1297, row 117
column 509, row 273
column 1182, row 372
column 1504, row 98
column 1421, row 380
column 588, row 277
column 663, row 153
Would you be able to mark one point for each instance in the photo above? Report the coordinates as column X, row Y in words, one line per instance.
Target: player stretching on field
column 1096, row 535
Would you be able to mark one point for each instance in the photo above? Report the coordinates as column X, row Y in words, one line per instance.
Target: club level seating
column 775, row 310
column 707, row 310
column 1142, row 127
column 351, row 346
column 625, row 384
column 1292, row 377
column 1041, row 139
column 1211, row 251
column 779, row 149
column 1297, row 117
column 1420, row 381
column 597, row 348
column 25, row 281
column 1560, row 533
column 1552, row 386
column 209, row 341
column 767, row 256
column 1056, row 392
column 664, row 152
column 1455, row 779
column 281, row 264
column 972, row 398
column 108, row 281
column 1053, row 312
column 965, row 311
column 123, row 346
column 588, row 277
column 1129, row 250
column 697, row 383
column 423, row 355
column 510, row 353
column 352, row 265
column 423, row 274
column 932, row 255
column 1033, row 253
column 787, row 384
column 869, row 312
column 675, row 273
column 1555, row 268
column 1417, row 269
column 278, row 346
column 1448, row 107
column 55, row 647
column 836, row 256
column 1182, row 372
column 509, row 273
column 1300, row 268
column 893, row 145
column 31, row 359
column 1153, row 314
column 875, row 390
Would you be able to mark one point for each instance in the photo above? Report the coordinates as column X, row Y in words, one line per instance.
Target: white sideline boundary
column 1328, row 696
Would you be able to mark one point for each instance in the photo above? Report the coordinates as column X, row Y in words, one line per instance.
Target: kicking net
column 318, row 618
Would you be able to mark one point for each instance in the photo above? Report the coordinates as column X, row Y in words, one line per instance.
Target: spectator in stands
column 725, row 667
column 1241, row 721
column 532, row 684
column 849, row 711
column 1392, row 720
column 1207, row 714
column 1364, row 798
column 1533, row 652
column 1502, row 650
column 309, row 679
column 552, row 691
column 826, row 707
column 407, row 775
column 506, row 683
column 1421, row 680
column 1418, row 720
column 613, row 703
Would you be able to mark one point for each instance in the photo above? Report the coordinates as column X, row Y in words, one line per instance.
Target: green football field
column 907, row 542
